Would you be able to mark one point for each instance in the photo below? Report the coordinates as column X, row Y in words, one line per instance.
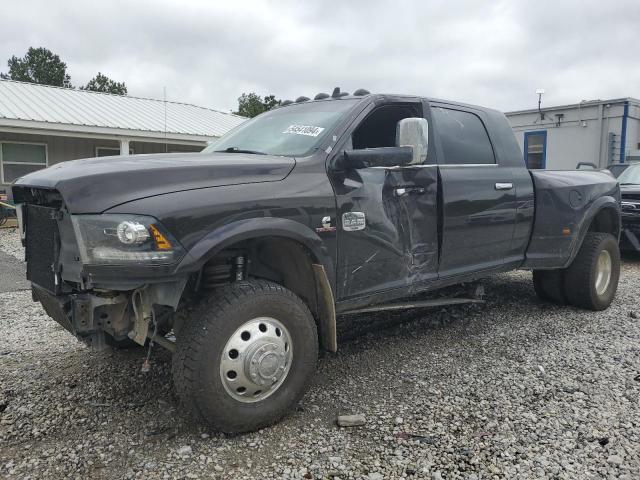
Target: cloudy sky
column 208, row 52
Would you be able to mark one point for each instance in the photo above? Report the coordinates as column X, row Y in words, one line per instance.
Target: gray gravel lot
column 517, row 389
column 10, row 243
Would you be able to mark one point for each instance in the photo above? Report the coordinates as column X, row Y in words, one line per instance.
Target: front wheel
column 592, row 278
column 245, row 356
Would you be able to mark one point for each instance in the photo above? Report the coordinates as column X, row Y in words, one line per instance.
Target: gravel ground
column 10, row 243
column 517, row 389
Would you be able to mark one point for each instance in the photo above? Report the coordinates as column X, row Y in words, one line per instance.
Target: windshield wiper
column 240, row 150
column 627, row 183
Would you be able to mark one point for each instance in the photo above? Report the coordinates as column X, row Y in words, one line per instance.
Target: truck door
column 387, row 216
column 478, row 197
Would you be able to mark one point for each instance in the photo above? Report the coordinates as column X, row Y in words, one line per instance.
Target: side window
column 463, row 137
column 379, row 128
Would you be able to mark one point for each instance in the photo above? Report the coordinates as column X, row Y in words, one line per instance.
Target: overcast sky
column 208, row 52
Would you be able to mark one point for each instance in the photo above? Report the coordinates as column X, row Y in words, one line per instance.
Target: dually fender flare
column 600, row 204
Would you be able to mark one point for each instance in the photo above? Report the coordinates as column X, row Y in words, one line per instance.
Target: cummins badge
column 353, row 221
column 326, row 226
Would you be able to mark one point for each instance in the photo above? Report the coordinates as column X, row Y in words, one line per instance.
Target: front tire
column 592, row 278
column 245, row 356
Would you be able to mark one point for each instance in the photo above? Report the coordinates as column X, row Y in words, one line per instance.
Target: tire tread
column 209, row 313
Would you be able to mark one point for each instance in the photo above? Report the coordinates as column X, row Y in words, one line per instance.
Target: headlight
column 124, row 239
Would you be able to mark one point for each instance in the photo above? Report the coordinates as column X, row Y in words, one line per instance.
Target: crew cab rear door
column 477, row 193
column 387, row 216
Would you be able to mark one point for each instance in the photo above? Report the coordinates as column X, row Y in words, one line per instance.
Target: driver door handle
column 504, row 186
column 404, row 191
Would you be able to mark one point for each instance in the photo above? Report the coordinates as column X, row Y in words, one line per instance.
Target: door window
column 535, row 149
column 463, row 137
column 379, row 128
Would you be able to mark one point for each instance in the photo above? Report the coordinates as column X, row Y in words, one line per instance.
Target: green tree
column 270, row 102
column 252, row 104
column 102, row 83
column 39, row 65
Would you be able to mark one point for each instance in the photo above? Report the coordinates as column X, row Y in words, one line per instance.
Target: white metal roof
column 29, row 105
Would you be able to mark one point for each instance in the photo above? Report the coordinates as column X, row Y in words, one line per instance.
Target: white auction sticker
column 308, row 130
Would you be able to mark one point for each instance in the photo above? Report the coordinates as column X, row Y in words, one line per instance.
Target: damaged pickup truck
column 239, row 259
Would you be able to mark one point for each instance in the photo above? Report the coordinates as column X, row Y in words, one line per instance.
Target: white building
column 596, row 131
column 42, row 125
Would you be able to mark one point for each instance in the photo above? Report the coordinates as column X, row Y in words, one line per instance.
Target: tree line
column 42, row 66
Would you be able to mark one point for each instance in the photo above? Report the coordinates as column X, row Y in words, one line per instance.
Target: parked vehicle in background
column 630, row 191
column 248, row 251
column 616, row 169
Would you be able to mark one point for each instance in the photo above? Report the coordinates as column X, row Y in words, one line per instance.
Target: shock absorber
column 240, row 268
column 223, row 271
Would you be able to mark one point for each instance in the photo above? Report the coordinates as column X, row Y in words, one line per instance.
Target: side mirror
column 414, row 132
column 375, row 157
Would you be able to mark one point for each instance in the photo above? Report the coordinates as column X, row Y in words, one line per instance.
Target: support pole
column 124, row 146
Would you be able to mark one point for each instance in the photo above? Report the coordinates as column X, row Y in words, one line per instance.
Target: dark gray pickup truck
column 240, row 258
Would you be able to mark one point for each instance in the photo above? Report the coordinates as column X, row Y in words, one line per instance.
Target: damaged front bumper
column 120, row 314
column 88, row 316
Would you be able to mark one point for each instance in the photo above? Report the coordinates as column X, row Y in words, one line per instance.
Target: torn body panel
column 398, row 245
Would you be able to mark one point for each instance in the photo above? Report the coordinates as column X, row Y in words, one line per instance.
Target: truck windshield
column 295, row 130
column 631, row 176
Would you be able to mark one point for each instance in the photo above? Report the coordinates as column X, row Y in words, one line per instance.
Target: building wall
column 582, row 134
column 72, row 148
column 633, row 132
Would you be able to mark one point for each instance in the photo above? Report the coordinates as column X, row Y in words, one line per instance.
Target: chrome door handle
column 402, row 191
column 504, row 186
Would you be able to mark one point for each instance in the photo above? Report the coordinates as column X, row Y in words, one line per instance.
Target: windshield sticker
column 307, row 130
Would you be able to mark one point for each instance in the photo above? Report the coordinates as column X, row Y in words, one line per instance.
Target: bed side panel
column 565, row 204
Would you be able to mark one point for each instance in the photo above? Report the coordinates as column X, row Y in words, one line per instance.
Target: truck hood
column 94, row 185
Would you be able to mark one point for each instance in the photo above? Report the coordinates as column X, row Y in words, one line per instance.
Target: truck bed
column 565, row 204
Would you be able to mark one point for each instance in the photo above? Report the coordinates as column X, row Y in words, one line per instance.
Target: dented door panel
column 398, row 245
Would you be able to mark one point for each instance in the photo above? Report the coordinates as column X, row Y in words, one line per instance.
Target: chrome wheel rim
column 603, row 272
column 256, row 360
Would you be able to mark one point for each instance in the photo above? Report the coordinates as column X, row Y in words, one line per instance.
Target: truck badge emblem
column 326, row 226
column 353, row 221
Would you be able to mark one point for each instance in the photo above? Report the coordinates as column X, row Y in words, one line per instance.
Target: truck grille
column 42, row 244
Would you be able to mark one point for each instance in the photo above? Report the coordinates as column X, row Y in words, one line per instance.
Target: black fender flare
column 246, row 229
column 323, row 266
column 600, row 204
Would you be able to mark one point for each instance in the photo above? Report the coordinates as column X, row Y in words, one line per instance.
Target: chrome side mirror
column 414, row 132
